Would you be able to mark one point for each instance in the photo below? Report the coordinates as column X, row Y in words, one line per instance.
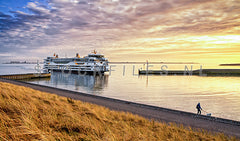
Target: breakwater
column 201, row 72
column 26, row 76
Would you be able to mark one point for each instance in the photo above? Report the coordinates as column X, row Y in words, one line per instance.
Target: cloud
column 24, row 31
column 70, row 25
column 38, row 10
column 4, row 16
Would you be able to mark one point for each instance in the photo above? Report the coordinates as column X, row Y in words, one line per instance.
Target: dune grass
column 27, row 114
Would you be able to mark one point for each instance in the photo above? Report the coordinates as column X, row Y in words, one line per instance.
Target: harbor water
column 219, row 96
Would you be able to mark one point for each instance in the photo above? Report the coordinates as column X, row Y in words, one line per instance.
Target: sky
column 203, row 31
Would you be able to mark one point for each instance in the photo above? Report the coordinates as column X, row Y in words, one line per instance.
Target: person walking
column 199, row 108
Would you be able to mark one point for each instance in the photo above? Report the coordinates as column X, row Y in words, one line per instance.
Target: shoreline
column 212, row 124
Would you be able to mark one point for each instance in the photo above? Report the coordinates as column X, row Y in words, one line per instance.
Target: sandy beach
column 212, row 124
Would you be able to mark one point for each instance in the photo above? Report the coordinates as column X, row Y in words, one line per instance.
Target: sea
column 219, row 96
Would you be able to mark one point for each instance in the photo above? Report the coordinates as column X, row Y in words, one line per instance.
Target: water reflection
column 76, row 82
column 94, row 83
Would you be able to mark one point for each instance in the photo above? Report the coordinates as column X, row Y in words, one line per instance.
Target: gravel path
column 212, row 124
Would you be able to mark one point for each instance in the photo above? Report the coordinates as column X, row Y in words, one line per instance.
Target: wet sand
column 212, row 124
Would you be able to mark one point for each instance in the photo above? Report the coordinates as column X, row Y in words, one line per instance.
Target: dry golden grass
column 27, row 114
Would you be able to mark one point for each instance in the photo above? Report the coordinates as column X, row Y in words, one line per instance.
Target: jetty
column 26, row 76
column 238, row 64
column 201, row 72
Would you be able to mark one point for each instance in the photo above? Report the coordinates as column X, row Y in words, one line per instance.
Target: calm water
column 217, row 95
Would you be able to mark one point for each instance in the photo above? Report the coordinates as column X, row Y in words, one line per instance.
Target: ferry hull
column 78, row 72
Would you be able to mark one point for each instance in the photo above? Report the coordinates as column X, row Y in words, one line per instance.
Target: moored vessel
column 90, row 64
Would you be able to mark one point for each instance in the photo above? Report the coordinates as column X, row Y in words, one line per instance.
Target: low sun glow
column 122, row 30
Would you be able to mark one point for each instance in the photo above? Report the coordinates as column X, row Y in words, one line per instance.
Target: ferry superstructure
column 92, row 63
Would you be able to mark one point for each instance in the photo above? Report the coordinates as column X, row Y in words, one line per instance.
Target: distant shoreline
column 153, row 63
column 22, row 63
column 237, row 64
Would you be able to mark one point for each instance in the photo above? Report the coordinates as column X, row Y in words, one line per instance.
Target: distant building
column 15, row 62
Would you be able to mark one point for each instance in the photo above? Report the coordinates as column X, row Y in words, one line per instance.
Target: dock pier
column 203, row 72
column 26, row 76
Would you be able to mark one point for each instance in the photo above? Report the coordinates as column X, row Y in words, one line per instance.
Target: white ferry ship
column 93, row 63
